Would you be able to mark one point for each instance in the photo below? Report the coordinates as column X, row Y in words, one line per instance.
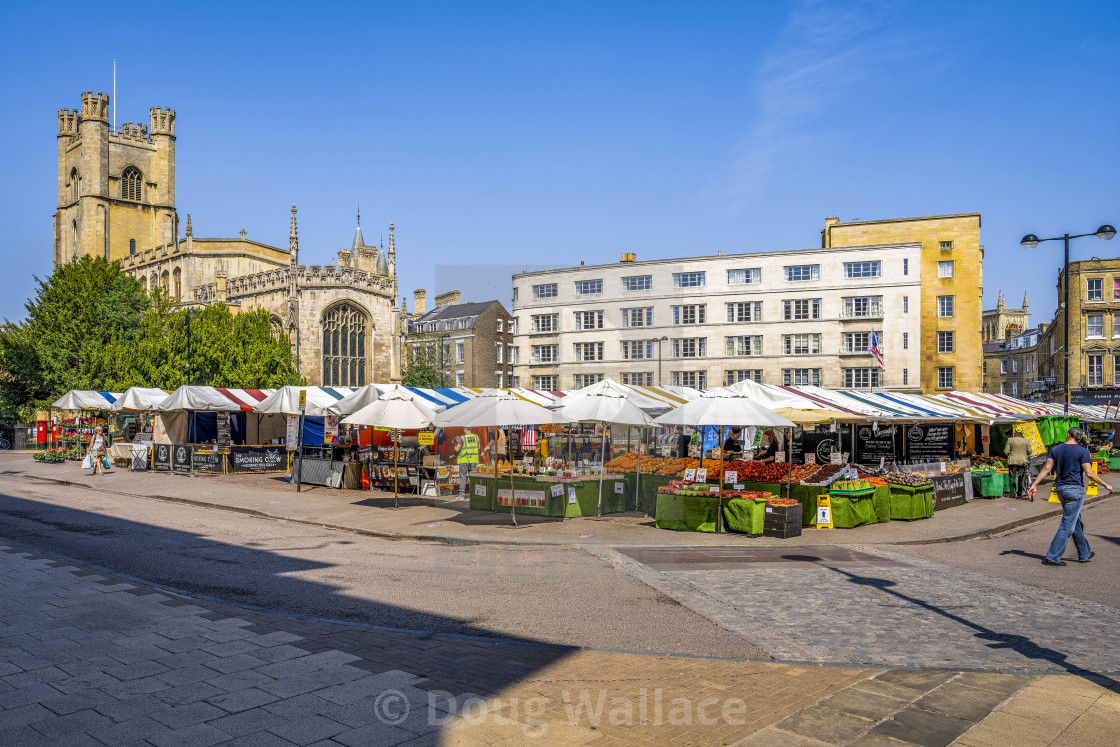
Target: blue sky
column 513, row 134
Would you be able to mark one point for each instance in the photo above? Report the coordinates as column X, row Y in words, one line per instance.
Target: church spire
column 359, row 240
column 1024, row 301
column 392, row 252
column 293, row 240
column 190, row 231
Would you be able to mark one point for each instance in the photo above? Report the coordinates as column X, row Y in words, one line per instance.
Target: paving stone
column 374, row 735
column 125, row 710
column 231, row 648
column 78, row 701
column 242, row 700
column 275, row 638
column 260, row 740
column 283, row 652
column 179, row 717
column 74, row 723
column 32, row 694
column 249, row 722
column 23, row 714
column 863, row 704
column 960, row 701
column 136, row 671
column 300, row 706
column 922, row 728
column 187, row 675
column 236, row 663
column 23, row 736
column 308, row 730
column 1000, row 683
column 826, row 724
column 189, row 693
column 199, row 735
column 239, row 680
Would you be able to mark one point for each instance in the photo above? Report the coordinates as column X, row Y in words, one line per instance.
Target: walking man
column 1069, row 461
column 1018, row 454
column 466, row 456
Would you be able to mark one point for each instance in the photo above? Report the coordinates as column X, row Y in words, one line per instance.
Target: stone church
column 116, row 198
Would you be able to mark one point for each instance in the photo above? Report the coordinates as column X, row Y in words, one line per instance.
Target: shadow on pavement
column 456, row 656
column 1024, row 554
column 1022, row 645
column 1106, row 538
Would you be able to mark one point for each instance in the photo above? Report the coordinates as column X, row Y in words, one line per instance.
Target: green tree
column 76, row 314
column 422, row 368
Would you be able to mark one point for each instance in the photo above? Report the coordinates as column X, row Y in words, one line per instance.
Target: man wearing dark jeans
column 1069, row 461
column 1018, row 454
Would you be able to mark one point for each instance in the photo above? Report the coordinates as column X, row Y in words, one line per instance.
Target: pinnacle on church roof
column 359, row 241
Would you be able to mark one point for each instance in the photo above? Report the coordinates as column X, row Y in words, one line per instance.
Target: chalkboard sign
column 819, row 445
column 929, row 443
column 873, row 446
column 181, row 458
column 223, row 438
column 949, row 490
column 257, row 459
column 161, row 458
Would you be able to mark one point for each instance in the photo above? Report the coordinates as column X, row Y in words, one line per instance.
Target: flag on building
column 876, row 353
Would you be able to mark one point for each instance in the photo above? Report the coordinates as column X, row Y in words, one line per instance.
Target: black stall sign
column 929, row 443
column 874, row 445
column 257, row 459
column 949, row 490
column 207, row 460
column 161, row 457
column 821, row 445
column 181, row 458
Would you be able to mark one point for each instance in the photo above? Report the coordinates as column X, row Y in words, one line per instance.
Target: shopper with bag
column 96, row 453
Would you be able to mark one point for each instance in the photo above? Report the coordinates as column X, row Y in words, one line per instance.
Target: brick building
column 469, row 344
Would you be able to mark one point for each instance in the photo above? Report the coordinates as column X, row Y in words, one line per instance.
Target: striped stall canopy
column 247, row 398
column 85, row 399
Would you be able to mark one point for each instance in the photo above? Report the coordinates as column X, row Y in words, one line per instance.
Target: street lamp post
column 443, row 340
column 1030, row 241
column 190, row 315
column 659, row 341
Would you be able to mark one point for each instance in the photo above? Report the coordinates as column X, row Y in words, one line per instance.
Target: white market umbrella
column 83, row 399
column 723, row 408
column 202, row 398
column 496, row 409
column 396, row 409
column 285, row 401
column 608, row 403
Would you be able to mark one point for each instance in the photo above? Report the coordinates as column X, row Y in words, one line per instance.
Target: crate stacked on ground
column 782, row 518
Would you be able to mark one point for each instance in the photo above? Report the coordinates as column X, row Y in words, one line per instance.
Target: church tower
column 116, row 189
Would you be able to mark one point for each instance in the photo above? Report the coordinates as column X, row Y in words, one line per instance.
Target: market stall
column 83, row 412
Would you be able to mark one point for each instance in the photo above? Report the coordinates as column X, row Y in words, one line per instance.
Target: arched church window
column 132, row 183
column 144, row 283
column 165, row 282
column 276, row 327
column 178, row 284
column 73, row 185
column 155, row 282
column 345, row 334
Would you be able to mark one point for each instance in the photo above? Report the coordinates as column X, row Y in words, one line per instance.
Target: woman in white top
column 97, row 450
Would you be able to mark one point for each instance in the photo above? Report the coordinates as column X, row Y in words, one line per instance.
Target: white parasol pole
column 719, row 514
column 602, row 449
column 638, row 476
column 396, row 436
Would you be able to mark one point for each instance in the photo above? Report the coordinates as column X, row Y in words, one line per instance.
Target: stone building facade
column 1011, row 365
column 1001, row 323
column 1094, row 349
column 476, row 340
column 952, row 274
column 116, row 198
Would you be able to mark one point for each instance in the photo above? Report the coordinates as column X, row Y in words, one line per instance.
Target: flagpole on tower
column 114, row 94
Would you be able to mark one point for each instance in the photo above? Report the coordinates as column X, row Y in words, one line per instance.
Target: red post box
column 41, row 434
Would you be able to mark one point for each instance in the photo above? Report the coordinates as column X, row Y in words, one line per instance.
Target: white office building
column 792, row 317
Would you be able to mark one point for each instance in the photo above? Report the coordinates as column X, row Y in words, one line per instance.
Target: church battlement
column 162, row 120
column 95, row 106
column 132, row 131
column 68, row 122
column 313, row 277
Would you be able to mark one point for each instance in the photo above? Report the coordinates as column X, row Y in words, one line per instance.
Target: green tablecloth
column 911, row 503
column 586, row 494
column 806, row 495
column 744, row 516
column 882, row 501
column 646, row 499
column 851, row 511
column 686, row 513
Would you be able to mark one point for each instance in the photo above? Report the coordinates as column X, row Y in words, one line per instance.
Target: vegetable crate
column 781, row 531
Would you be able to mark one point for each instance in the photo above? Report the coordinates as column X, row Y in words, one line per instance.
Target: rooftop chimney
column 450, row 298
column 418, row 297
column 629, row 257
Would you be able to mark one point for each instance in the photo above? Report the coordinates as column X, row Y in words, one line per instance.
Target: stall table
column 687, row 513
column 745, row 516
column 853, row 509
column 547, row 497
column 907, row 504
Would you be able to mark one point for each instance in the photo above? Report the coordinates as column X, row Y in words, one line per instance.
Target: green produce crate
column 989, row 484
column 1114, row 463
column 861, row 493
column 909, row 503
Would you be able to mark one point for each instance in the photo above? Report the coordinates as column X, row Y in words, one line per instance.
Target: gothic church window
column 178, row 284
column 345, row 331
column 144, row 283
column 132, row 184
column 73, row 185
column 165, row 282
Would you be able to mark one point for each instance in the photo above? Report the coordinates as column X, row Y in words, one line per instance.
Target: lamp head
column 1105, row 232
column 1030, row 241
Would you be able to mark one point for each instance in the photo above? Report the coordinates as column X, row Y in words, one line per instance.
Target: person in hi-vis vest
column 466, row 456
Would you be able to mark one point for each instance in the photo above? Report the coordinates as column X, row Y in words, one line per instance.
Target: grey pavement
column 884, row 608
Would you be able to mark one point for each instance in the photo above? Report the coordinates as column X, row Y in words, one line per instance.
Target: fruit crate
column 781, row 532
column 784, row 514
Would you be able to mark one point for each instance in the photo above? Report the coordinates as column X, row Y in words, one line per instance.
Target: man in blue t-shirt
column 1069, row 462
